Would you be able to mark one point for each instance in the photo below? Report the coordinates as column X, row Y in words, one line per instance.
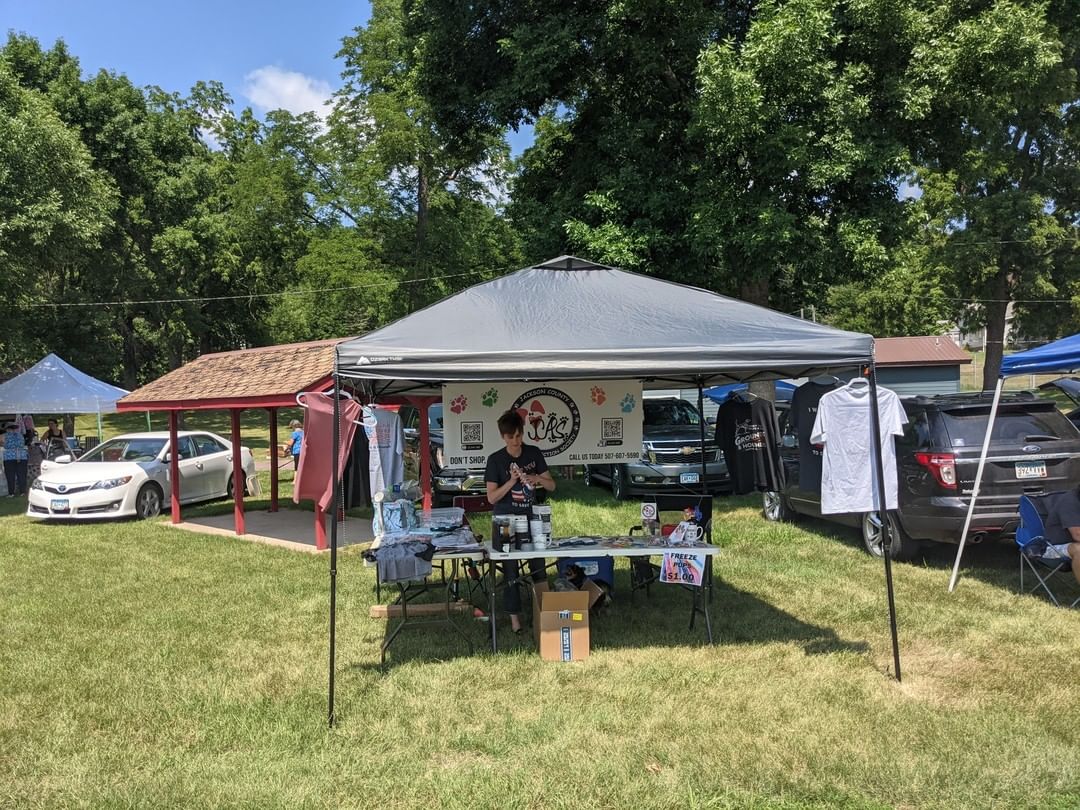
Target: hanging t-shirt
column 314, row 477
column 804, row 407
column 748, row 433
column 849, row 476
column 386, row 448
column 519, row 498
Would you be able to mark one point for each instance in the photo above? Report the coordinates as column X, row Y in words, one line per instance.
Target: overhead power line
column 283, row 293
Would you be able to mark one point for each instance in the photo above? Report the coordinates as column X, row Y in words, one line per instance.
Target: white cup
column 540, row 542
column 693, row 533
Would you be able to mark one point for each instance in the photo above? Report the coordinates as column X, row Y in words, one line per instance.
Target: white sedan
column 129, row 475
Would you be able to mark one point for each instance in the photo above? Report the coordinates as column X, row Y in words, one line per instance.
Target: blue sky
column 268, row 55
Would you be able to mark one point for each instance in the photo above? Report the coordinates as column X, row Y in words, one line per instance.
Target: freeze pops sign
column 571, row 422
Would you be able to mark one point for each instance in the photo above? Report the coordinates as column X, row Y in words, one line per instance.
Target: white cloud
column 272, row 88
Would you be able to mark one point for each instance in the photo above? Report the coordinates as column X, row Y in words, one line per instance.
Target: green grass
column 144, row 666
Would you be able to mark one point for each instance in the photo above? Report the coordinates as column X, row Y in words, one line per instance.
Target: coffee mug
column 692, row 533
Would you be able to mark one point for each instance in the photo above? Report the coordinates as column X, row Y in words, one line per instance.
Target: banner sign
column 683, row 568
column 574, row 422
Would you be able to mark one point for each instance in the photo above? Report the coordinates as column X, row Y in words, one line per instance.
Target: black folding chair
column 644, row 572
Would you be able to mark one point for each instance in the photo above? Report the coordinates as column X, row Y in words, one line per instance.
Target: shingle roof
column 244, row 376
column 924, row 350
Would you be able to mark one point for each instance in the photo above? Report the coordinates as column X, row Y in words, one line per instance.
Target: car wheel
column 903, row 546
column 148, row 502
column 230, row 489
column 618, row 483
column 774, row 507
column 586, row 476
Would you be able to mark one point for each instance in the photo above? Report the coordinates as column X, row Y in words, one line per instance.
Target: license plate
column 689, row 478
column 1031, row 469
column 58, row 505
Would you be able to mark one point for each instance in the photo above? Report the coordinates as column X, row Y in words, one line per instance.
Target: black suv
column 1034, row 449
column 445, row 484
column 670, row 455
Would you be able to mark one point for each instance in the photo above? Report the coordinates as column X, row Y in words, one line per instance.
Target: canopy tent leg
column 239, row 476
column 148, row 428
column 333, row 542
column 174, row 469
column 886, row 529
column 978, row 483
column 100, row 431
column 273, row 460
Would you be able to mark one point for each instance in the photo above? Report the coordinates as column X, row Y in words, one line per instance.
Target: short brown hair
column 511, row 423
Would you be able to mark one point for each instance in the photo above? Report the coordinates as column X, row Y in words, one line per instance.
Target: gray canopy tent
column 570, row 319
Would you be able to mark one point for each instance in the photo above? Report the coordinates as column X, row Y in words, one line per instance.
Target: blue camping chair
column 1042, row 558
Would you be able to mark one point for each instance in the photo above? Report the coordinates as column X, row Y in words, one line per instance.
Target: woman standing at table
column 513, row 476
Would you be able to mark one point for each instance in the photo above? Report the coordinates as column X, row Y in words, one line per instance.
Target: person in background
column 55, row 440
column 15, row 456
column 34, row 456
column 1063, row 526
column 295, row 441
column 512, row 476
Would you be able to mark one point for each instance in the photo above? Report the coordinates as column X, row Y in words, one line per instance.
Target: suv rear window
column 967, row 427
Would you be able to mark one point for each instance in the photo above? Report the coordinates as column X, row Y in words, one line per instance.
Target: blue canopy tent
column 719, row 393
column 1060, row 357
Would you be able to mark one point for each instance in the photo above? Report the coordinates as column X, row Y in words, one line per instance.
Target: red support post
column 239, row 478
column 273, row 460
column 174, row 469
column 425, row 451
column 320, row 528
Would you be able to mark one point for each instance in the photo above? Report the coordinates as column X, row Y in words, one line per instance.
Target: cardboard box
column 561, row 623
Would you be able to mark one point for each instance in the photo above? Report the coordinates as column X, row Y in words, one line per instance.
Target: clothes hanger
column 342, row 394
column 824, row 379
column 302, row 394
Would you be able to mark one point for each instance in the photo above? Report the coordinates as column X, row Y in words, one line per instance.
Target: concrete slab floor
column 287, row 528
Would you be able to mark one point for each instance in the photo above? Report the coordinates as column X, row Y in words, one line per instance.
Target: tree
column 992, row 96
column 53, row 207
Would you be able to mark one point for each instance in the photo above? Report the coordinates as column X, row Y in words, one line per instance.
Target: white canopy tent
column 54, row 386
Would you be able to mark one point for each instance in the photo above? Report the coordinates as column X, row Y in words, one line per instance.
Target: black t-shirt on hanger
column 804, row 406
column 748, row 433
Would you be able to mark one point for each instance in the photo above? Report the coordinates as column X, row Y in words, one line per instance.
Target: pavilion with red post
column 267, row 378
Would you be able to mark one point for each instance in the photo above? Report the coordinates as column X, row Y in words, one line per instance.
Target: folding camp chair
column 643, row 572
column 477, row 508
column 1042, row 558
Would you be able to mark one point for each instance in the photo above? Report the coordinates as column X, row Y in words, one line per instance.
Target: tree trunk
column 756, row 291
column 69, row 424
column 995, row 329
column 423, row 202
column 131, row 361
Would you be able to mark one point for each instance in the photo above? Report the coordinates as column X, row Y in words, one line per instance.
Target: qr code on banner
column 611, row 428
column 472, row 433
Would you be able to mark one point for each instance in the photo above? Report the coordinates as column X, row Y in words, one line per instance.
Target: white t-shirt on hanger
column 386, row 445
column 848, row 474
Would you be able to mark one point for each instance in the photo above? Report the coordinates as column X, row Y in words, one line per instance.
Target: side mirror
column 168, row 458
column 62, row 459
column 788, row 440
column 710, row 420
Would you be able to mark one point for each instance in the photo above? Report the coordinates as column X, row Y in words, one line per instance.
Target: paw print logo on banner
column 459, row 403
column 598, row 395
column 490, row 397
column 628, row 403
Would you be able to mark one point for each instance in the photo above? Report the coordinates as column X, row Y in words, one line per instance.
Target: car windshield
column 125, row 450
column 668, row 412
column 434, row 417
column 967, row 427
